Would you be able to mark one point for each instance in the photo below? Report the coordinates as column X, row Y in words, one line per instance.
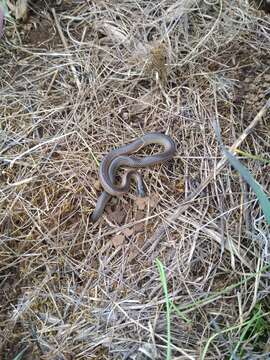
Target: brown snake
column 118, row 157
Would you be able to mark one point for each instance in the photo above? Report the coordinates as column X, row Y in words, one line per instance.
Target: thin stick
column 18, row 157
column 66, row 47
column 160, row 232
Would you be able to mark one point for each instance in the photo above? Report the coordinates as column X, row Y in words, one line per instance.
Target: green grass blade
column 180, row 313
column 235, row 327
column 253, row 157
column 246, row 175
column 168, row 307
column 20, row 355
column 210, row 298
column 262, row 197
column 250, row 326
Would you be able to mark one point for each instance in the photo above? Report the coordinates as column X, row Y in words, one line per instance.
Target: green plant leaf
column 244, row 172
column 4, row 7
column 246, row 175
column 168, row 306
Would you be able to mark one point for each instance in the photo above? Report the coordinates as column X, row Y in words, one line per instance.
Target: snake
column 122, row 157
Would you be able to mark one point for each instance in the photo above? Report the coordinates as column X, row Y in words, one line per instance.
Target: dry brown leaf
column 142, row 103
column 134, row 250
column 142, row 202
column 117, row 216
column 128, row 232
column 118, row 240
column 154, row 200
column 140, row 215
column 139, row 227
column 113, row 32
column 133, row 253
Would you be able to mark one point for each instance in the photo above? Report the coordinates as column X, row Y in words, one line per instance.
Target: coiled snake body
column 118, row 157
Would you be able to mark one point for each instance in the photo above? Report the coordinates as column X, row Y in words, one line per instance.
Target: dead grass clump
column 102, row 74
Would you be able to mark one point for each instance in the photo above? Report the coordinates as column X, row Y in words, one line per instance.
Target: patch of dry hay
column 81, row 80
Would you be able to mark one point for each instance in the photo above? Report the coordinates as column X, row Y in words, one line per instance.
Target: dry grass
column 90, row 76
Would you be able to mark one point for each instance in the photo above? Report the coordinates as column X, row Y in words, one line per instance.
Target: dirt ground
column 79, row 78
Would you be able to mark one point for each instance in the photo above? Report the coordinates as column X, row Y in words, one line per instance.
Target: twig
column 160, row 232
column 66, row 47
column 18, row 157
